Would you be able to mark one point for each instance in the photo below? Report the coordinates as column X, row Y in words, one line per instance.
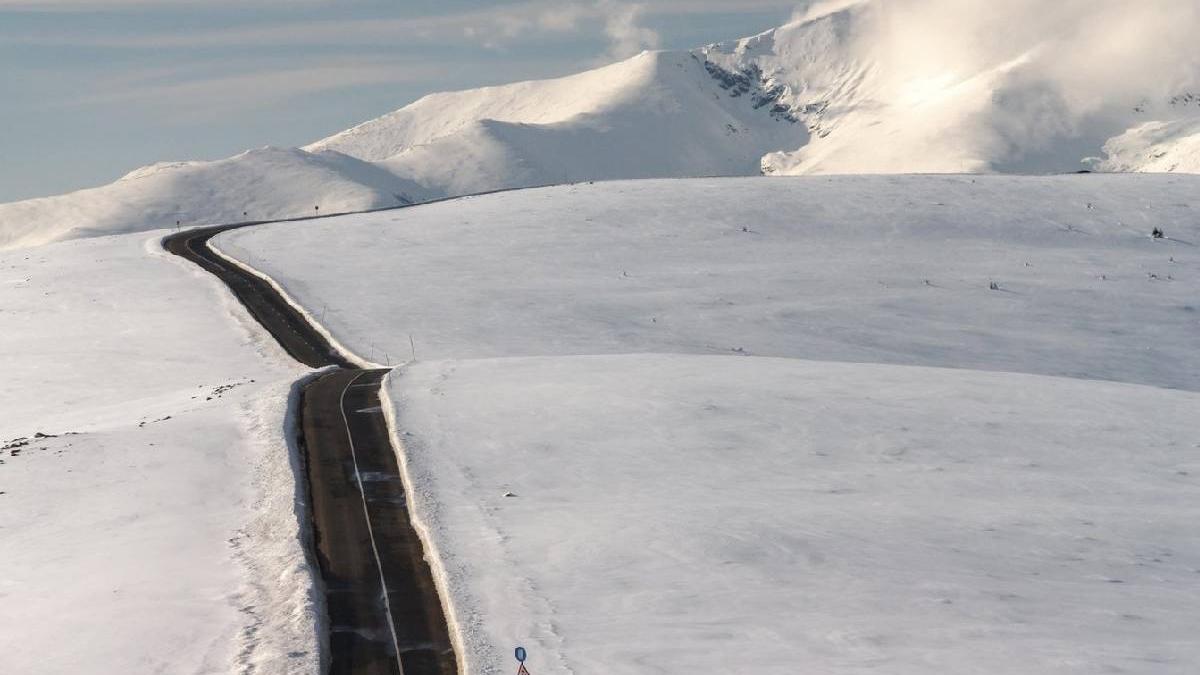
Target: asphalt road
column 384, row 615
column 290, row 329
column 378, row 587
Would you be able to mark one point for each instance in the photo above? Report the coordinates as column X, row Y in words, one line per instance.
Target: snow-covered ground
column 859, row 86
column 154, row 531
column 709, row 514
column 646, row 367
column 816, row 268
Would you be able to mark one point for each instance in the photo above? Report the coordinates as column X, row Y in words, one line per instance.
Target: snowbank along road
column 384, row 615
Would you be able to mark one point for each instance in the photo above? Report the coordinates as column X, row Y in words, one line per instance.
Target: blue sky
column 95, row 88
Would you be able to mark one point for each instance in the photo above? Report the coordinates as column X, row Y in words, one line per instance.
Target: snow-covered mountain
column 1172, row 146
column 656, row 114
column 858, row 86
column 263, row 184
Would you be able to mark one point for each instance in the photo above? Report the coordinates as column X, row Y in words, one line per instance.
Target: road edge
column 418, row 518
column 312, row 321
column 297, row 459
column 275, row 312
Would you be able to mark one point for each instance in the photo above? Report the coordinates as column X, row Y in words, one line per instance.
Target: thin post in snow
column 412, row 344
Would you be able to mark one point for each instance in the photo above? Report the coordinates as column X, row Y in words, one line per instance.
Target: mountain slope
column 667, row 117
column 873, row 92
column 1156, row 147
column 885, row 93
column 857, row 86
column 263, row 184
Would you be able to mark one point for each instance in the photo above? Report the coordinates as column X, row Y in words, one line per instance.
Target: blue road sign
column 521, row 654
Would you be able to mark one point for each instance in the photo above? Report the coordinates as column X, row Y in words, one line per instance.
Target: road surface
column 384, row 615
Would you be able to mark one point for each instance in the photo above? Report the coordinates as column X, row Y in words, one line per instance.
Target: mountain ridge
column 819, row 95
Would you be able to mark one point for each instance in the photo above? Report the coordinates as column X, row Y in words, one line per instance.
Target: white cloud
column 1058, row 70
column 623, row 28
column 1091, row 51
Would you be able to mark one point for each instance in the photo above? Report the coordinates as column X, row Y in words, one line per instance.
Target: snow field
column 818, row 268
column 721, row 514
column 646, row 368
column 156, row 530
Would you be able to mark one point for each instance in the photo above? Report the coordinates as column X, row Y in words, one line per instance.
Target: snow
column 859, row 424
column 1156, row 147
column 156, row 531
column 876, row 86
column 865, row 87
column 657, row 114
column 770, row 424
column 540, row 102
column 686, row 514
column 263, row 184
column 830, row 269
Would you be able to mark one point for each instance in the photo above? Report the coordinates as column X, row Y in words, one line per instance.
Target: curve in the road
column 289, row 328
column 384, row 613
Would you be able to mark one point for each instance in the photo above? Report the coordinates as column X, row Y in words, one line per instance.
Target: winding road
column 384, row 614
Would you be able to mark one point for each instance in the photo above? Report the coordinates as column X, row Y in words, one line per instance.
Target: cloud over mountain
column 848, row 86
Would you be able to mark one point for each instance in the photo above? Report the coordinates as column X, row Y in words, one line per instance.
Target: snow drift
column 867, row 86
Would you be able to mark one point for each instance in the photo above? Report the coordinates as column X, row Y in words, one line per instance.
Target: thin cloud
column 505, row 23
column 620, row 23
column 201, row 97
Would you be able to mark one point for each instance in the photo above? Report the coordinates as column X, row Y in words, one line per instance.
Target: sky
column 95, row 88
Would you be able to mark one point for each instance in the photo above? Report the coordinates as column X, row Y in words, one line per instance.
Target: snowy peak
column 651, row 83
column 1155, row 147
column 656, row 114
column 807, row 70
column 440, row 115
column 848, row 87
column 807, row 54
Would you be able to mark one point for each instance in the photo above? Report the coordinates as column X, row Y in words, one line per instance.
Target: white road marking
column 366, row 514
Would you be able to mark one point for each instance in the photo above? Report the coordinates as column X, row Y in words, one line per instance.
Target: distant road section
column 288, row 327
column 384, row 615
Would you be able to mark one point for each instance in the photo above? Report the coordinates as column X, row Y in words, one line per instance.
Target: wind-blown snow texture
column 628, row 450
column 154, row 528
column 874, row 86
